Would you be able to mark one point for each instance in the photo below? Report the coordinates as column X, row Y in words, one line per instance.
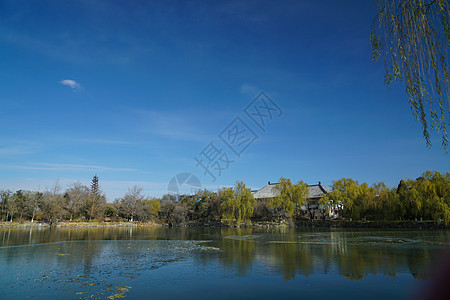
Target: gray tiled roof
column 270, row 191
column 317, row 190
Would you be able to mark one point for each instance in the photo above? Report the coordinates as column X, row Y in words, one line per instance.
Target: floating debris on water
column 121, row 290
column 207, row 248
column 301, row 242
column 243, row 237
column 384, row 239
column 282, row 242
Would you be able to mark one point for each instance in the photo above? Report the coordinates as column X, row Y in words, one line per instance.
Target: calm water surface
column 216, row 263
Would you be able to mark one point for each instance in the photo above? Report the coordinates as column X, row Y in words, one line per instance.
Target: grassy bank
column 76, row 224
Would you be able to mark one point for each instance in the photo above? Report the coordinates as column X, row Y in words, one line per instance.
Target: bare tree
column 51, row 204
column 33, row 199
column 5, row 196
column 129, row 202
column 76, row 197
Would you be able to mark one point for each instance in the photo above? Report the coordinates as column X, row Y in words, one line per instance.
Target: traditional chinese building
column 311, row 208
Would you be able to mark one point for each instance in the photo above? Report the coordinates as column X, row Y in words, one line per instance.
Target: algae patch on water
column 301, row 242
column 121, row 290
column 247, row 237
column 209, row 249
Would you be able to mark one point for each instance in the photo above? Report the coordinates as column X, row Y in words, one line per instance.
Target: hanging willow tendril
column 413, row 36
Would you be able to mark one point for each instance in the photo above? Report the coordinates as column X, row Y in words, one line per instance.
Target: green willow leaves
column 290, row 196
column 426, row 198
column 413, row 36
column 238, row 204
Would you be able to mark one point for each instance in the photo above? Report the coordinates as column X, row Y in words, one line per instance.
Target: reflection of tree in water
column 383, row 259
column 288, row 255
column 91, row 252
column 293, row 258
column 348, row 254
column 415, row 263
column 354, row 264
column 290, row 252
column 237, row 252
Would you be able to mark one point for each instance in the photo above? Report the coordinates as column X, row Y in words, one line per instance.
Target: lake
column 217, row 263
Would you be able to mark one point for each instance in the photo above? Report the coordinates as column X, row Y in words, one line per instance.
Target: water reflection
column 288, row 253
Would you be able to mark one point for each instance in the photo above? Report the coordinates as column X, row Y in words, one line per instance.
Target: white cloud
column 249, row 89
column 71, row 83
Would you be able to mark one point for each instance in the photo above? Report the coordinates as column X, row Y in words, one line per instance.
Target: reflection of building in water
column 351, row 254
column 302, row 253
column 311, row 209
column 288, row 252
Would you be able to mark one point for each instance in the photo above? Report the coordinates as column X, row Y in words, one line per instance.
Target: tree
column 290, row 196
column 152, row 206
column 229, row 205
column 95, row 206
column 130, row 201
column 111, row 211
column 247, row 202
column 95, row 189
column 180, row 213
column 19, row 200
column 346, row 192
column 33, row 203
column 147, row 209
column 361, row 202
column 5, row 196
column 96, row 201
column 51, row 204
column 77, row 197
column 12, row 207
column 207, row 205
column 427, row 197
column 167, row 207
column 238, row 204
column 413, row 36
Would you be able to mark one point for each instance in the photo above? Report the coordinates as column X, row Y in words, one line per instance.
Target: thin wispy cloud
column 65, row 167
column 107, row 142
column 20, row 148
column 71, row 83
column 119, row 188
column 172, row 125
column 34, row 184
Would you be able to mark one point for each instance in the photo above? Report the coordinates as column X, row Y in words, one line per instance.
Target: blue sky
column 133, row 90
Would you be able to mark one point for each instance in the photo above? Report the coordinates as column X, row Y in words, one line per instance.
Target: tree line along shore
column 414, row 203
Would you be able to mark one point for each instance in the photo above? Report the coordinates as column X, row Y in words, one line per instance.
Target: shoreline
column 263, row 224
column 75, row 224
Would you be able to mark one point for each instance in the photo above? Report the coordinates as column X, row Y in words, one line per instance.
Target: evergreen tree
column 94, row 186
